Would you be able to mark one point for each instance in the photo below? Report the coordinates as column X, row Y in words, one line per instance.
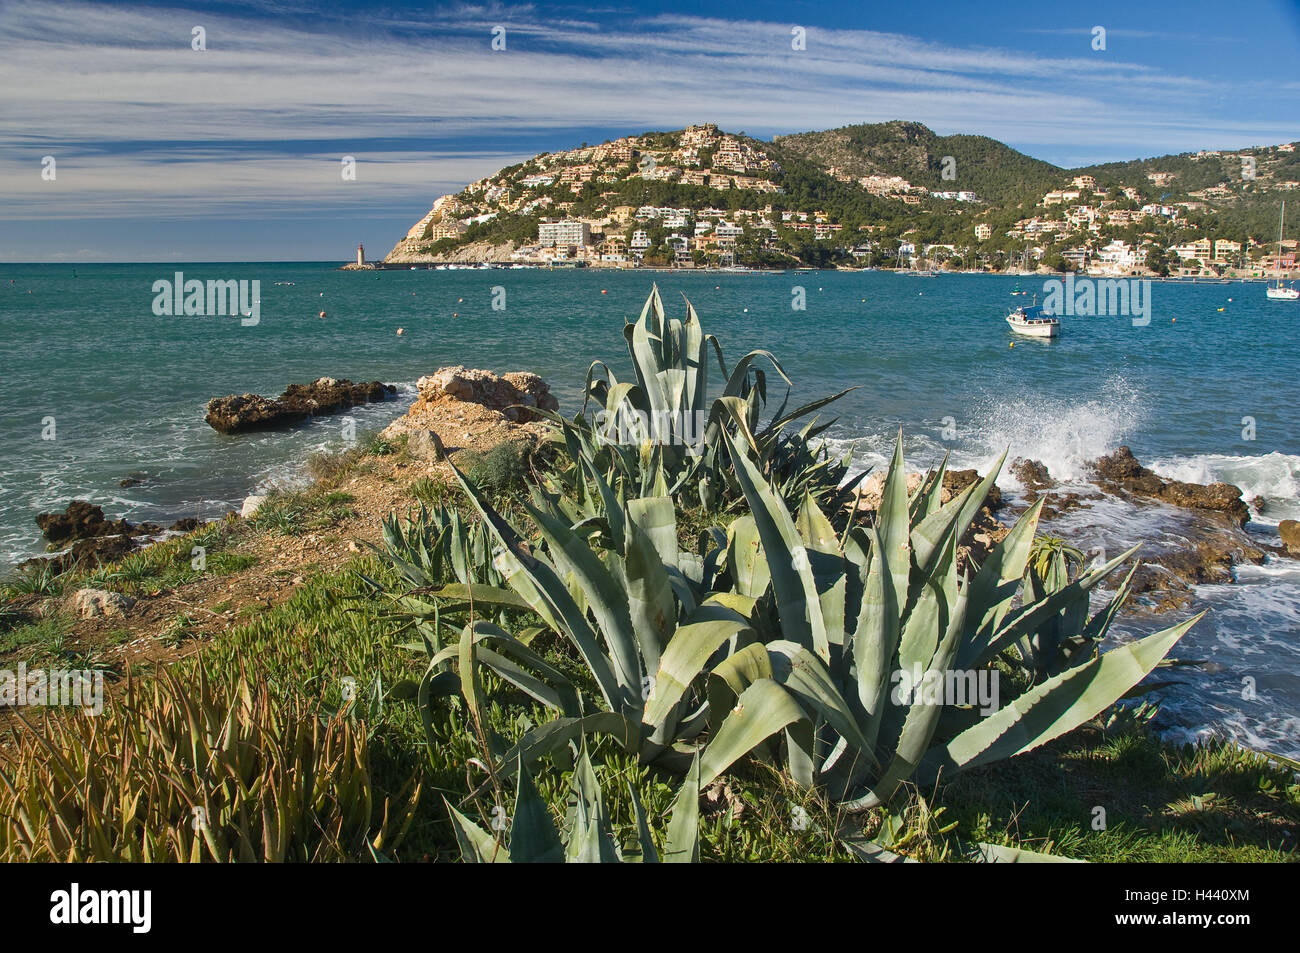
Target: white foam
column 1271, row 477
column 1062, row 433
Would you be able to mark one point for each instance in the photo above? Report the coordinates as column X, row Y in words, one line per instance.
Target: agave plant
column 1067, row 638
column 882, row 609
column 586, row 837
column 642, row 615
column 666, row 426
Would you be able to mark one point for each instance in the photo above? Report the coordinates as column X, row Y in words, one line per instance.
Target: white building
column 566, row 232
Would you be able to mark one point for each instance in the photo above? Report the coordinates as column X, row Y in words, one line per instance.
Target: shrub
column 500, row 470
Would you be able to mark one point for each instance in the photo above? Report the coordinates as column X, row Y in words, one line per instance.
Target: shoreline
column 1158, row 594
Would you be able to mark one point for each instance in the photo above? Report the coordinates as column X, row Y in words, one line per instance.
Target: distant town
column 704, row 198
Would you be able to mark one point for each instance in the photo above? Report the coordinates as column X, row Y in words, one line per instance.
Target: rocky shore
column 463, row 409
column 240, row 413
column 87, row 538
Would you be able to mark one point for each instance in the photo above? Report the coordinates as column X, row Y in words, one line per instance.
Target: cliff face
column 407, row 252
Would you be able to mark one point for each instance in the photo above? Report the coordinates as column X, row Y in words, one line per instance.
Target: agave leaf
column 1058, row 705
column 606, row 599
column 554, row 600
column 749, row 570
column 533, row 835
column 999, row 854
column 691, row 648
column 806, row 678
column 682, row 843
column 590, row 840
column 872, row 852
column 645, row 840
column 875, row 639
column 763, row 709
column 651, row 604
column 1029, row 617
column 477, row 846
column 995, row 585
column 792, row 579
column 552, row 736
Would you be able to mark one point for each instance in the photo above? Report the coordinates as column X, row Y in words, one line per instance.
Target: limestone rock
column 251, row 505
column 92, row 603
column 512, row 395
column 425, row 445
column 1289, row 530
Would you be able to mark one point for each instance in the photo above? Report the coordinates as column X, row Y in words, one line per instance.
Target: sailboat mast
column 1281, row 222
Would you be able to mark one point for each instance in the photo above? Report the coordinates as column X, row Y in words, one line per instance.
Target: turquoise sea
column 1217, row 365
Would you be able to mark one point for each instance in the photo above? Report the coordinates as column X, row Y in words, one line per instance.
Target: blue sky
column 233, row 153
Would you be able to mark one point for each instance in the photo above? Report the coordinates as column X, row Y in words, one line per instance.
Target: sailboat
column 1279, row 291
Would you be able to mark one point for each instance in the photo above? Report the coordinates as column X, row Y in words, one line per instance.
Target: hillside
column 893, row 193
column 991, row 169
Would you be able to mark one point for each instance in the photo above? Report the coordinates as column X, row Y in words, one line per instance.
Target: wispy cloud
column 257, row 122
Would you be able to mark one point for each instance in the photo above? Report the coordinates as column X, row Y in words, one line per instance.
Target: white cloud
column 140, row 122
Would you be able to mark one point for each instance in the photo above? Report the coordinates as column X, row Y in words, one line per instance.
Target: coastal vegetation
column 605, row 651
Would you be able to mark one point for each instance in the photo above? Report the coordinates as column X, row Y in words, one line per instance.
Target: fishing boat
column 1034, row 322
column 1279, row 291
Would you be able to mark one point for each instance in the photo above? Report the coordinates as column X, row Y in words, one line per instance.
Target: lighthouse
column 361, row 256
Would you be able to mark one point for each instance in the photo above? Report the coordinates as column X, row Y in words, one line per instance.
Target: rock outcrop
column 89, row 538
column 1289, row 530
column 81, row 520
column 91, row 603
column 1120, row 471
column 240, row 413
column 460, row 408
column 1033, row 475
column 514, row 395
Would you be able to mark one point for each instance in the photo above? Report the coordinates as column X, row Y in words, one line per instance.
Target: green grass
column 293, row 514
column 44, row 637
column 333, row 630
column 1158, row 803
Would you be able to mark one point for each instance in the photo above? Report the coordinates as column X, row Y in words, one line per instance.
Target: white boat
column 1279, row 291
column 1034, row 322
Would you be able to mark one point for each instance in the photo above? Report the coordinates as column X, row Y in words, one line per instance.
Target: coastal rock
column 1055, row 504
column 240, row 413
column 955, row 483
column 1289, row 530
column 425, row 445
column 81, row 520
column 251, row 505
column 1033, row 475
column 90, row 552
column 512, row 395
column 871, row 490
column 1121, row 471
column 92, row 603
column 187, row 524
